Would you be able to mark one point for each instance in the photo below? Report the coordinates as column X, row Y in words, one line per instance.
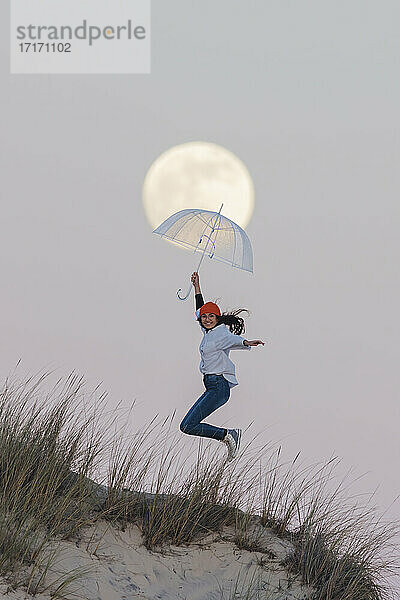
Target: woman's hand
column 253, row 342
column 196, row 282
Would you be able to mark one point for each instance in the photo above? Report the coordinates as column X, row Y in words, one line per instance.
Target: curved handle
column 187, row 295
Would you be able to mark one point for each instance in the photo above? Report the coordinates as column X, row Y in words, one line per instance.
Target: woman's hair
column 235, row 323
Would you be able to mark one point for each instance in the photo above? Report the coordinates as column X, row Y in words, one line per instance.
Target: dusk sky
column 306, row 95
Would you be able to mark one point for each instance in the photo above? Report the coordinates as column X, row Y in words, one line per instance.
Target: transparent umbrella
column 211, row 234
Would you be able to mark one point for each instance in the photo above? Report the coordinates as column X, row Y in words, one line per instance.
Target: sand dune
column 121, row 568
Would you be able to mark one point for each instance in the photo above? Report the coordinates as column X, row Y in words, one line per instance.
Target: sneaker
column 232, row 441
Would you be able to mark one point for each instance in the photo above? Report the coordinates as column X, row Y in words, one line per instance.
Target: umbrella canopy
column 210, row 233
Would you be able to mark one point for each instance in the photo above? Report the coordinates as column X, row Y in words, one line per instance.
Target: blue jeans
column 216, row 394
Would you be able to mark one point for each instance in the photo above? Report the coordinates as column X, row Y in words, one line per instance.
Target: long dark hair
column 235, row 323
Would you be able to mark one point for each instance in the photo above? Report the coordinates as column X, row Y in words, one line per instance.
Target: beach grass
column 66, row 463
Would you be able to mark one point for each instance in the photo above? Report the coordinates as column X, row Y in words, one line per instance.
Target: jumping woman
column 221, row 334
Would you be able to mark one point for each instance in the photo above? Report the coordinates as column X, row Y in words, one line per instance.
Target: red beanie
column 210, row 307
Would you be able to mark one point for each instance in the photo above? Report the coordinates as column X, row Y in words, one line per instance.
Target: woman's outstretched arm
column 230, row 341
column 252, row 342
column 197, row 290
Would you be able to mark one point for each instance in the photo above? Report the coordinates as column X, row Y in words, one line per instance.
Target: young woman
column 221, row 334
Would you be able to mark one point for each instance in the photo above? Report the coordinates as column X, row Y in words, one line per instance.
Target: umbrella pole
column 190, row 286
column 201, row 260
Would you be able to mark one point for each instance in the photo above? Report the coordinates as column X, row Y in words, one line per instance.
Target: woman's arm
column 252, row 342
column 229, row 341
column 197, row 290
column 196, row 282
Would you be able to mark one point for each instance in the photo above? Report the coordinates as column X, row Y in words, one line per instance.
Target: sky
column 307, row 95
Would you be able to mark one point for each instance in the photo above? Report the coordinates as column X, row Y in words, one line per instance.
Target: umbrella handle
column 187, row 295
column 190, row 285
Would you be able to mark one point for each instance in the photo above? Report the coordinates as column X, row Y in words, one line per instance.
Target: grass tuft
column 66, row 463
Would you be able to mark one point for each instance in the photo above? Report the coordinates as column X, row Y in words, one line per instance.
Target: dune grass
column 55, row 444
column 41, row 442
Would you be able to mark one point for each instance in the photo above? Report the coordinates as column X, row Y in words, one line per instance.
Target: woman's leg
column 215, row 396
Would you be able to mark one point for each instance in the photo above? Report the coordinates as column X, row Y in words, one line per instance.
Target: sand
column 121, row 568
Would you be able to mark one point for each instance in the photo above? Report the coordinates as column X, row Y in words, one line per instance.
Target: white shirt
column 214, row 351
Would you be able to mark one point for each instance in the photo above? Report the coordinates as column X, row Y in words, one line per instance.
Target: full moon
column 198, row 175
